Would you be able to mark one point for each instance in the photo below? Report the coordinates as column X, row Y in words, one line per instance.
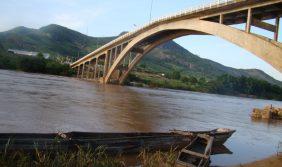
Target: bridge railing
column 215, row 4
column 191, row 10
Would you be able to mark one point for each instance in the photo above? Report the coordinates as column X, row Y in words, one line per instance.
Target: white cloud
column 78, row 19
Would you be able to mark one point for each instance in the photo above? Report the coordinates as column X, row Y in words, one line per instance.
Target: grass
column 158, row 158
column 81, row 158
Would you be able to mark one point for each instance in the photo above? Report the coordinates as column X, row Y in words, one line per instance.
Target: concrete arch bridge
column 112, row 62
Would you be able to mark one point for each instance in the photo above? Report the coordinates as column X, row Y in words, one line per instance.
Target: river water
column 45, row 103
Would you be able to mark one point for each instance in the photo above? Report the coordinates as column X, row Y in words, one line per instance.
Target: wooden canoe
column 114, row 143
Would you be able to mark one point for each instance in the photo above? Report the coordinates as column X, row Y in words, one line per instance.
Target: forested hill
column 61, row 41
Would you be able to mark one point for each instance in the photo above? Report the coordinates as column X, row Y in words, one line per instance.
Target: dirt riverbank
column 272, row 161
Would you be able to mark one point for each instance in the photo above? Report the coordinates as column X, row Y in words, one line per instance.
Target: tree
column 176, row 75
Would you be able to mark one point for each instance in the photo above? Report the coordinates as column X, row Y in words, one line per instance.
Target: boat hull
column 113, row 143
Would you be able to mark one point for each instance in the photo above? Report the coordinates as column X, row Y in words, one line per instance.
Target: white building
column 27, row 53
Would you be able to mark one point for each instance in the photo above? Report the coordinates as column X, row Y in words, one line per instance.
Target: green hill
column 58, row 40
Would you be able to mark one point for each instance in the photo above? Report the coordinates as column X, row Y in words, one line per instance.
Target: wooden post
column 277, row 28
column 249, row 21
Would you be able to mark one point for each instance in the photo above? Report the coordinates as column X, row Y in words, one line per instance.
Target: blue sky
column 110, row 17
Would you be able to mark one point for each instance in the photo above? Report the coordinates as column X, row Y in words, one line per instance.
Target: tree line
column 224, row 84
column 35, row 64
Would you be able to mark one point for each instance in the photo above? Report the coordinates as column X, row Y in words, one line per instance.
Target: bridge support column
column 78, row 71
column 277, row 20
column 110, row 59
column 106, row 63
column 91, row 66
column 88, row 70
column 116, row 52
column 130, row 58
column 249, row 21
column 82, row 71
column 221, row 18
column 96, row 68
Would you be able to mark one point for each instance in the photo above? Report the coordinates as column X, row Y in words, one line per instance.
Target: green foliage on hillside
column 230, row 85
column 225, row 84
column 36, row 64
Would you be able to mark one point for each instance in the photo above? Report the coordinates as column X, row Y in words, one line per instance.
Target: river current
column 45, row 103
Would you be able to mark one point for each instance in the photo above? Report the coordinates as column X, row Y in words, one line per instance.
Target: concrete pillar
column 221, row 17
column 106, row 63
column 78, row 71
column 110, row 58
column 130, row 58
column 88, row 71
column 249, row 21
column 92, row 66
column 96, row 68
column 82, row 71
column 277, row 20
column 115, row 56
column 99, row 72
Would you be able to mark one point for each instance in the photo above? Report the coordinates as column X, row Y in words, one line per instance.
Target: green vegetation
column 78, row 158
column 225, row 84
column 36, row 64
column 82, row 158
column 230, row 85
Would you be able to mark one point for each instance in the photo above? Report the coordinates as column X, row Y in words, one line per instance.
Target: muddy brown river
column 45, row 103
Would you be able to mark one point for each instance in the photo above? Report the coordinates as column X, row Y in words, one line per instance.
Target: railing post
column 277, row 20
column 249, row 21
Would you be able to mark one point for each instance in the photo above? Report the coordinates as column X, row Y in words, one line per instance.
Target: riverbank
column 225, row 85
column 272, row 161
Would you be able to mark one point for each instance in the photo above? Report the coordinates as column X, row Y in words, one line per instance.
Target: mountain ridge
column 59, row 40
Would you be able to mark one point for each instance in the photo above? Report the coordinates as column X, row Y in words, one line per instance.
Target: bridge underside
column 115, row 63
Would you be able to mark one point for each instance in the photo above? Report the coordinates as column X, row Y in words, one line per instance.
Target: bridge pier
column 82, row 71
column 87, row 68
column 77, row 71
column 277, row 20
column 96, row 68
column 249, row 21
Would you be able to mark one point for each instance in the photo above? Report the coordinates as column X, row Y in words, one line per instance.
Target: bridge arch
column 264, row 48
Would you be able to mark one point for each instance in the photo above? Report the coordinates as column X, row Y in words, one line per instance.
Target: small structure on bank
column 269, row 112
column 27, row 53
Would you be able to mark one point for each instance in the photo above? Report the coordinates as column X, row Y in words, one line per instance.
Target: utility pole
column 151, row 10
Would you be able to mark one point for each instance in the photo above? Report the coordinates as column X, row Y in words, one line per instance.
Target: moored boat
column 221, row 135
column 112, row 142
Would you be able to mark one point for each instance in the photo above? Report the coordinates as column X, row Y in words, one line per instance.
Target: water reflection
column 43, row 103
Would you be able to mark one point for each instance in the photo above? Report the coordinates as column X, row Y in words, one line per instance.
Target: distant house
column 27, row 53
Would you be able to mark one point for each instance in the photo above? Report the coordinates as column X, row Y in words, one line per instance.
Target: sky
column 100, row 18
